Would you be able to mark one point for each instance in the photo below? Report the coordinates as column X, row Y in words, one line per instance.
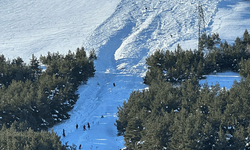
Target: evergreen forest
column 177, row 113
column 33, row 99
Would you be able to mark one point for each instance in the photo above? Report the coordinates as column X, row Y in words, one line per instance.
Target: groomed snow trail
column 99, row 98
column 122, row 43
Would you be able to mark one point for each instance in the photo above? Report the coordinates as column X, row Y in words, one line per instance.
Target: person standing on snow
column 84, row 128
column 63, row 133
column 76, row 126
column 88, row 126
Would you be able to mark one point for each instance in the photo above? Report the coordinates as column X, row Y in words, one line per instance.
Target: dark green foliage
column 92, row 55
column 35, row 68
column 182, row 65
column 246, row 37
column 245, row 67
column 76, row 66
column 186, row 115
column 13, row 70
column 41, row 99
column 26, row 139
column 174, row 66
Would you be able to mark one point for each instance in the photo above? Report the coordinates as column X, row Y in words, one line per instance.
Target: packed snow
column 123, row 33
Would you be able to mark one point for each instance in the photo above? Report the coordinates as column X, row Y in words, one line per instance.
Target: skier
column 76, row 126
column 80, row 146
column 113, row 84
column 171, row 35
column 84, row 128
column 63, row 133
column 88, row 126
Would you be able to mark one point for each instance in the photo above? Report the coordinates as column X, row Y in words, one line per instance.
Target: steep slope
column 122, row 43
column 123, row 33
column 35, row 27
column 144, row 26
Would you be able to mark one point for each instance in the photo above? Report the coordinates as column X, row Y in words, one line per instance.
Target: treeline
column 180, row 65
column 190, row 116
column 38, row 98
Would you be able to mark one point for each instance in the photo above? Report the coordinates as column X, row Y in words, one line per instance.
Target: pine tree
column 121, row 124
column 246, row 37
column 92, row 55
column 34, row 66
column 132, row 135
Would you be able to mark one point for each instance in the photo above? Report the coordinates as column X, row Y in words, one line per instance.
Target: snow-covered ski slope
column 123, row 33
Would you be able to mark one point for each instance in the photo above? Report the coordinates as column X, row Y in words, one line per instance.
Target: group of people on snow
column 84, row 129
column 84, row 126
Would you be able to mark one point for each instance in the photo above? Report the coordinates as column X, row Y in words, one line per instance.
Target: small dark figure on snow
column 76, row 126
column 80, row 146
column 63, row 133
column 102, row 116
column 84, row 127
column 113, row 84
column 88, row 126
column 171, row 35
column 146, row 8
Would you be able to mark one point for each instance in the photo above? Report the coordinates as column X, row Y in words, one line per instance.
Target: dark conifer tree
column 35, row 68
column 92, row 55
column 246, row 37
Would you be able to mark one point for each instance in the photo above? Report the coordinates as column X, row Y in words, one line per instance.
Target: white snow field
column 123, row 33
column 35, row 27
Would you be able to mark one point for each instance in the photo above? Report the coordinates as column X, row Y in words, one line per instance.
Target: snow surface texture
column 123, row 33
column 231, row 19
column 35, row 27
column 138, row 31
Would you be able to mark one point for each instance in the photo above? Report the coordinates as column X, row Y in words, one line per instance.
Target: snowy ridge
column 141, row 31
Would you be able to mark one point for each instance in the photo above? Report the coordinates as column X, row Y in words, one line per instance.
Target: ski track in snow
column 124, row 34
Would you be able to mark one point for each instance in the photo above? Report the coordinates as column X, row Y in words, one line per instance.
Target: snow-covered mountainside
column 123, row 33
column 139, row 28
column 35, row 27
